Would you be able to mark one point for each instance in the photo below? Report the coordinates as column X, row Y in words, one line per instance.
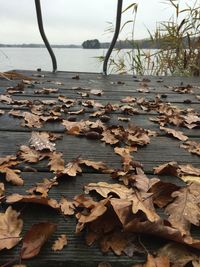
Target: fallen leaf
column 40, row 141
column 177, row 134
column 72, row 168
column 128, row 99
column 11, row 175
column 44, row 187
column 60, row 243
column 178, row 254
column 67, row 207
column 14, row 198
column 192, row 146
column 31, row 120
column 155, row 262
column 2, row 189
column 56, row 162
column 170, row 168
column 35, row 238
column 185, row 209
column 10, row 228
column 31, row 155
column 98, row 92
column 109, row 138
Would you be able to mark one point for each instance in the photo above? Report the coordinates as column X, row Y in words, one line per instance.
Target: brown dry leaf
column 97, row 165
column 128, row 99
column 56, row 162
column 162, row 229
column 6, row 99
column 162, row 193
column 31, row 120
column 98, row 92
column 11, row 175
column 190, row 179
column 191, row 118
column 185, row 209
column 80, row 111
column 109, row 137
column 33, row 199
column 160, row 261
column 35, row 238
column 178, row 254
column 192, row 146
column 44, row 187
column 40, row 141
column 198, row 97
column 31, row 155
column 170, row 168
column 10, row 228
column 123, row 119
column 74, row 128
column 127, row 159
column 60, row 243
column 188, row 169
column 96, row 209
column 46, row 91
column 2, row 112
column 67, row 207
column 177, row 134
column 137, row 135
column 105, row 189
column 72, row 168
column 2, row 189
column 118, row 242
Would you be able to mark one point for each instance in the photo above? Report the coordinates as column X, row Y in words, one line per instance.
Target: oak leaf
column 30, row 154
column 60, row 243
column 2, row 189
column 10, row 228
column 14, row 198
column 72, row 168
column 56, row 162
column 11, row 175
column 31, row 120
column 109, row 137
column 170, row 168
column 35, row 238
column 67, row 207
column 192, row 146
column 40, row 141
column 155, row 262
column 185, row 209
column 44, row 187
column 177, row 134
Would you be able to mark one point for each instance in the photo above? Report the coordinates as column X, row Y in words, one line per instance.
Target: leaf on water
column 11, row 175
column 177, row 134
column 10, row 228
column 40, row 141
column 35, row 238
column 60, row 243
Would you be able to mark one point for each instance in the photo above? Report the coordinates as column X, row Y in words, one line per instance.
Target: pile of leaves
column 131, row 205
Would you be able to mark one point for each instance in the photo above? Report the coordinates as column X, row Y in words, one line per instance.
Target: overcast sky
column 73, row 21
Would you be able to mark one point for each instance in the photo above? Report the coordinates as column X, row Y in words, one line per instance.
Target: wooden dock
column 75, row 91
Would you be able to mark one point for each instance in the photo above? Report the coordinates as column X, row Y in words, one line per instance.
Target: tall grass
column 177, row 40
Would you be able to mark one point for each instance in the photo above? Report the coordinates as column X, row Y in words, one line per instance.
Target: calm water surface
column 69, row 59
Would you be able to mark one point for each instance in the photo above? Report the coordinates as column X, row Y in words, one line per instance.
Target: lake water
column 68, row 59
